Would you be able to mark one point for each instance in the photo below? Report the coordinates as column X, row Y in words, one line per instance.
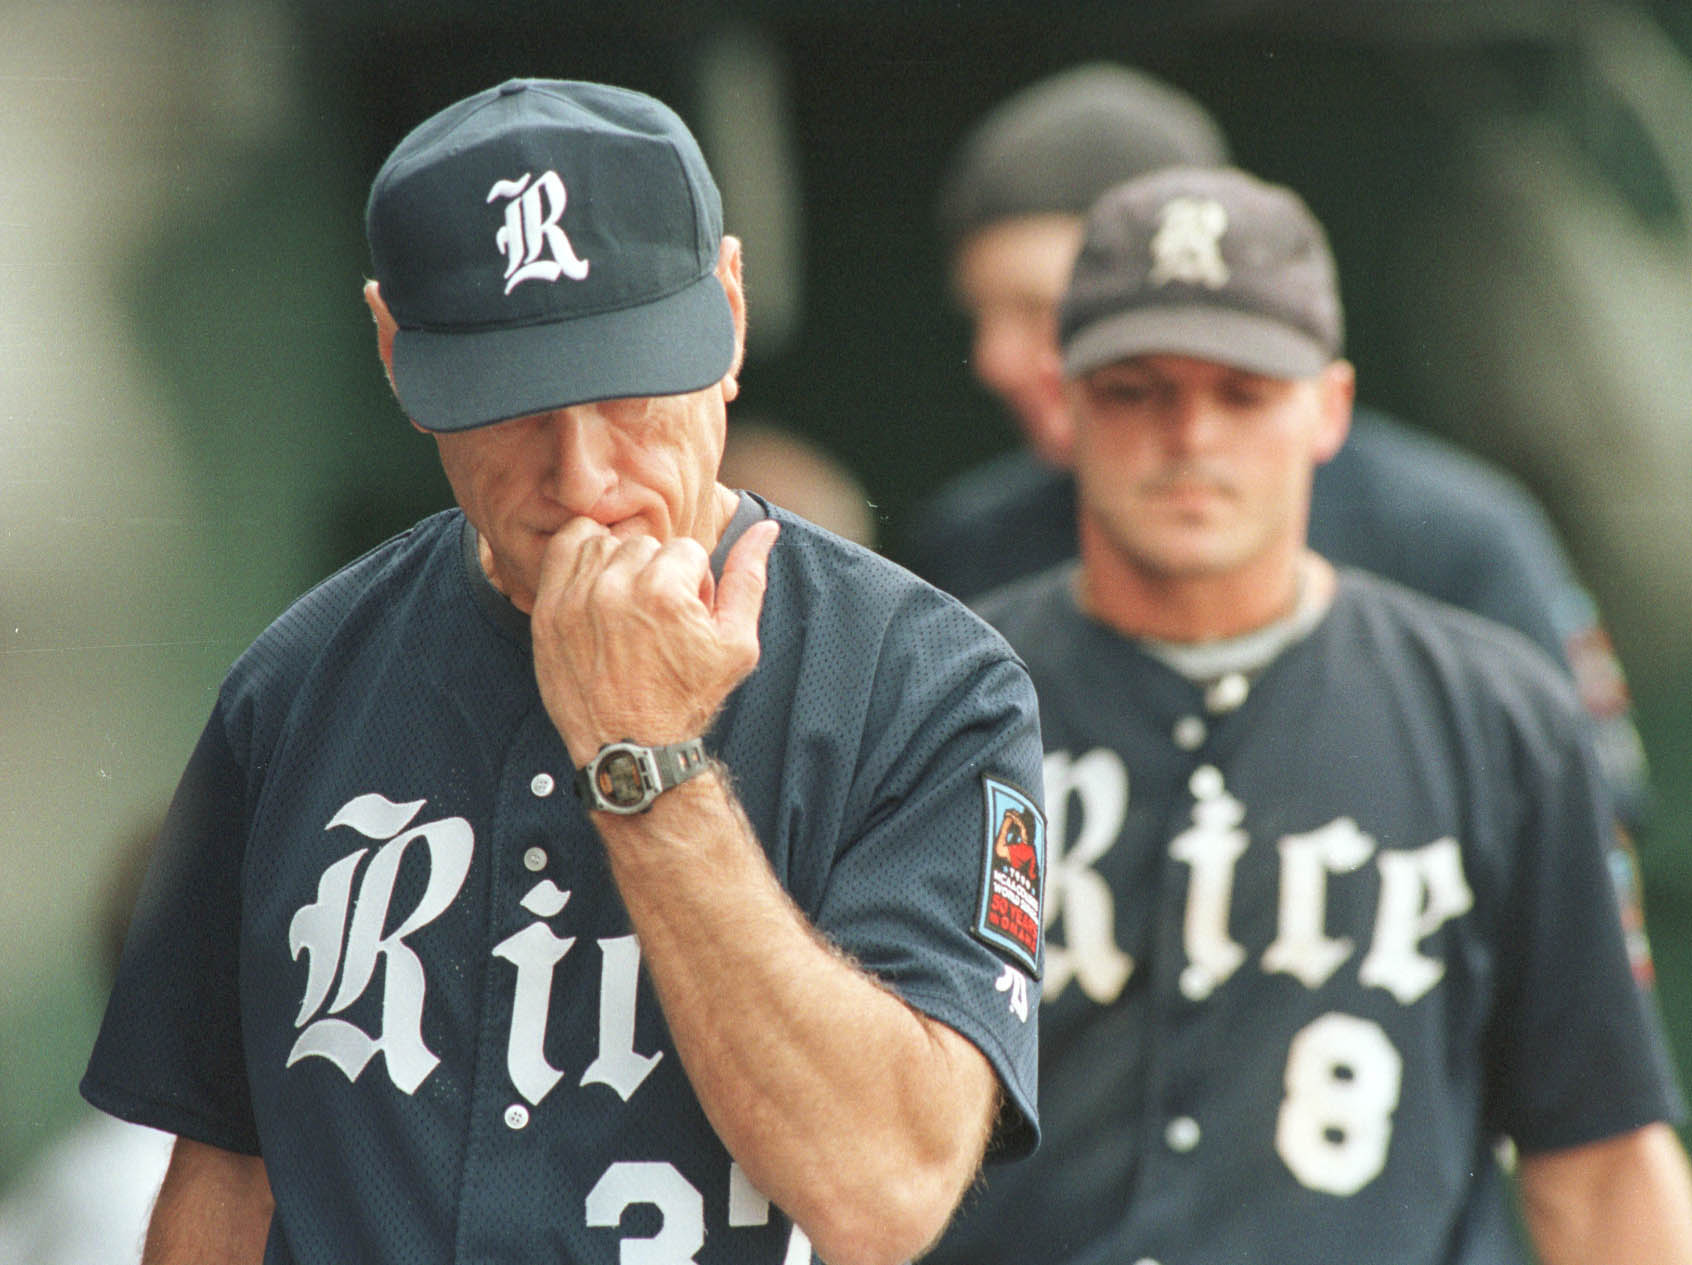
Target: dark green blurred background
column 195, row 426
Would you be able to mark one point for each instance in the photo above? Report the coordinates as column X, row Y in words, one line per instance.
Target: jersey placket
column 1175, row 1128
column 536, row 838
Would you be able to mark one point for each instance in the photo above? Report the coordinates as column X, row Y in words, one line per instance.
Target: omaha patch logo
column 1008, row 916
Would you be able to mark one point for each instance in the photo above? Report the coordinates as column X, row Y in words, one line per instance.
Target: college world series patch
column 1007, row 917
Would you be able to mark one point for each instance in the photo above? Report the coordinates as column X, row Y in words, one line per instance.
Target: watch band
column 625, row 777
column 678, row 762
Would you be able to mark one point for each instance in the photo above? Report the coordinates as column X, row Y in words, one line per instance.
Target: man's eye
column 1245, row 394
column 1124, row 393
column 1249, row 390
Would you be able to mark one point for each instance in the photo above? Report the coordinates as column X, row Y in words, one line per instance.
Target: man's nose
column 1192, row 420
column 580, row 448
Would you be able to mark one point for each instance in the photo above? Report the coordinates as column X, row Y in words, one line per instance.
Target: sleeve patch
column 1013, row 871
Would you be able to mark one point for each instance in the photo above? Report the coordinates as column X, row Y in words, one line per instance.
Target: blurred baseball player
column 1321, row 932
column 1394, row 500
column 586, row 874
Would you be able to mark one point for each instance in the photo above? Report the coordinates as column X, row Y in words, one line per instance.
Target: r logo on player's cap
column 1008, row 915
column 1208, row 262
column 479, row 213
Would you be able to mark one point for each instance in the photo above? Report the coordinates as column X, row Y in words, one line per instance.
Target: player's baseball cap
column 548, row 243
column 1056, row 145
column 1211, row 263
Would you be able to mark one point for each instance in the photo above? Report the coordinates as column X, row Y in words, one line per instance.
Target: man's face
column 1009, row 278
column 643, row 466
column 1188, row 468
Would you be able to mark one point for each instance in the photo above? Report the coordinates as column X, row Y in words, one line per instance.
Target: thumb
column 740, row 591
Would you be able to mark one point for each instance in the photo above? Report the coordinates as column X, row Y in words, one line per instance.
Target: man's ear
column 385, row 326
column 1338, row 387
column 1052, row 432
column 729, row 273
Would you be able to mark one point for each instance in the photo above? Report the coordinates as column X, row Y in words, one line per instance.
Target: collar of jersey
column 1249, row 653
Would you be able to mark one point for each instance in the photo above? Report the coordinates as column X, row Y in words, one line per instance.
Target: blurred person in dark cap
column 1395, row 500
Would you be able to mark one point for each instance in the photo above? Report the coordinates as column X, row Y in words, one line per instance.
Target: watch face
column 618, row 778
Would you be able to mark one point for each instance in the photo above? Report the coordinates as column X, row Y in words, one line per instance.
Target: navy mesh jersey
column 1316, row 942
column 382, row 948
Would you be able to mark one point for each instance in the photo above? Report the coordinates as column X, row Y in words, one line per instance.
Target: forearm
column 861, row 1118
column 1627, row 1198
column 213, row 1209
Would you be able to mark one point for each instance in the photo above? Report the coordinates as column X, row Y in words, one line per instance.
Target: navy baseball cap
column 1211, row 263
column 548, row 243
column 1055, row 146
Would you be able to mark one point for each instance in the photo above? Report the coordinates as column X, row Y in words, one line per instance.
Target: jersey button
column 1182, row 1134
column 1190, row 732
column 541, row 784
column 1227, row 692
column 516, row 1116
column 535, row 859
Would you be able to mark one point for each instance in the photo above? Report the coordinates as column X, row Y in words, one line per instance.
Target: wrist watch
column 625, row 777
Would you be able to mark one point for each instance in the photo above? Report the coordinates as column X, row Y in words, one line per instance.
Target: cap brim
column 1243, row 340
column 457, row 381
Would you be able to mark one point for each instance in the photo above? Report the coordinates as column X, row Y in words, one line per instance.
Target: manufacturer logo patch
column 1008, row 916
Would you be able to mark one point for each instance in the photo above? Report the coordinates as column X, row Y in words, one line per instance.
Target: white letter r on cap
column 528, row 232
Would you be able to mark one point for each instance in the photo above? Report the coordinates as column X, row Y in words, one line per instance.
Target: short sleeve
column 169, row 1050
column 1576, row 1047
column 909, row 897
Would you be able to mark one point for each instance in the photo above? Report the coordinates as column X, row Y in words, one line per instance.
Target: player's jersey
column 1316, row 942
column 1395, row 501
column 383, row 948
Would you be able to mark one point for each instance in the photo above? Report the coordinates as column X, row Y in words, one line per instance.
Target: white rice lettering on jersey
column 1211, row 846
column 1075, row 892
column 535, row 951
column 317, row 930
column 1343, row 1075
column 1421, row 890
column 617, row 1063
column 1302, row 947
